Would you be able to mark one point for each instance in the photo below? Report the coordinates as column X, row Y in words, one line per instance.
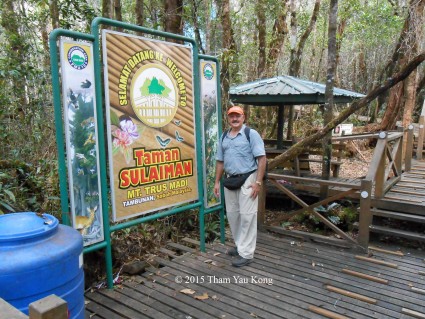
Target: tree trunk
column 229, row 51
column 196, row 26
column 340, row 35
column 118, row 12
column 407, row 45
column 292, row 35
column 355, row 106
column 173, row 17
column 54, row 13
column 329, row 100
column 393, row 108
column 107, row 9
column 295, row 62
column 140, row 13
column 261, row 26
column 280, row 30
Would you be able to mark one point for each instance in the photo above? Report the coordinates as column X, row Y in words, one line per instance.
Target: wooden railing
column 385, row 169
column 421, row 134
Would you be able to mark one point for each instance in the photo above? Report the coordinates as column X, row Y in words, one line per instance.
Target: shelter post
column 280, row 125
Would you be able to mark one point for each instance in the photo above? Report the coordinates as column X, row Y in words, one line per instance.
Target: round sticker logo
column 77, row 57
column 154, row 95
column 208, row 71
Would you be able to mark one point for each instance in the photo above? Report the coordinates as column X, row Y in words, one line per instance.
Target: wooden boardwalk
column 410, row 189
column 288, row 279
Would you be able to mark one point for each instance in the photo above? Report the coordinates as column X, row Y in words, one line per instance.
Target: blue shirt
column 238, row 154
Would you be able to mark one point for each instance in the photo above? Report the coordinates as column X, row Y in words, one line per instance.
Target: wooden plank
column 397, row 215
column 145, row 306
column 313, row 180
column 267, row 305
column 410, row 186
column 180, row 307
column 400, row 198
column 412, row 192
column 419, row 291
column 172, row 302
column 7, row 311
column 334, row 261
column 282, row 272
column 303, row 271
column 101, row 306
column 365, row 276
column 413, row 313
column 289, row 288
column 351, row 294
column 398, row 233
column 386, row 251
column 168, row 252
column 414, row 181
column 319, row 274
column 395, row 205
column 215, row 301
column 376, row 261
column 326, row 313
column 311, row 236
column 299, row 271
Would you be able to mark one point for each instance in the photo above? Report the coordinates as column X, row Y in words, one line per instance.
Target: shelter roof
column 287, row 90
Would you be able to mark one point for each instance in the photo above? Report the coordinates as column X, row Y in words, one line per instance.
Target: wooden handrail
column 421, row 136
column 311, row 180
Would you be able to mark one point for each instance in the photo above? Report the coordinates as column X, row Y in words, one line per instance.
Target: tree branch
column 355, row 106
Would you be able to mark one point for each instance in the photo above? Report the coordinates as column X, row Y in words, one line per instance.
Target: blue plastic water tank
column 40, row 257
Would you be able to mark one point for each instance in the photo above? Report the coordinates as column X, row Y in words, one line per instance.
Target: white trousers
column 242, row 216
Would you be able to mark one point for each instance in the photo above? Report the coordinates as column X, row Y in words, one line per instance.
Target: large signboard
column 81, row 136
column 208, row 74
column 150, row 122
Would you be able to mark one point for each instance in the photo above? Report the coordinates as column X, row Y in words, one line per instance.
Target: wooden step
column 397, row 233
column 397, row 215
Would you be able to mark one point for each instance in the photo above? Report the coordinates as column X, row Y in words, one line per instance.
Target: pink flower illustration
column 129, row 127
column 124, row 136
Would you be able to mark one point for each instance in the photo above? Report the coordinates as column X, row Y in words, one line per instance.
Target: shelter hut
column 286, row 91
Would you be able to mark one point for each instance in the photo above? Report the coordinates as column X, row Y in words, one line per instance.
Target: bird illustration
column 90, row 139
column 81, row 157
column 178, row 137
column 88, row 123
column 85, row 84
column 73, row 99
column 82, row 223
column 163, row 142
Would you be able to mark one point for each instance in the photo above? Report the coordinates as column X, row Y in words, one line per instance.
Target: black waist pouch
column 234, row 182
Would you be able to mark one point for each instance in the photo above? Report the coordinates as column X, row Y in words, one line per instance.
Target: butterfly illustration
column 162, row 142
column 178, row 137
column 177, row 122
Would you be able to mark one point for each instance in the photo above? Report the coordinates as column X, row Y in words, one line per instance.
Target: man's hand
column 217, row 189
column 255, row 189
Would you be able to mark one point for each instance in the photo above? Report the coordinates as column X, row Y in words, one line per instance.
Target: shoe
column 232, row 252
column 241, row 262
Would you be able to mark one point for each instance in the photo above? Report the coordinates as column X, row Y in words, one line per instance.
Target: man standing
column 239, row 154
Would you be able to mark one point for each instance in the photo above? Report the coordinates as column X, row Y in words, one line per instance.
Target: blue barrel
column 40, row 257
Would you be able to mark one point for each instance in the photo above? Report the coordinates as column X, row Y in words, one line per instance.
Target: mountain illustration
column 154, row 86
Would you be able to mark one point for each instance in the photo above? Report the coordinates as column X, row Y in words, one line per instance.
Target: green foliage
column 7, row 198
column 343, row 216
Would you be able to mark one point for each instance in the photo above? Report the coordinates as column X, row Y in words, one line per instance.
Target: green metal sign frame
column 94, row 37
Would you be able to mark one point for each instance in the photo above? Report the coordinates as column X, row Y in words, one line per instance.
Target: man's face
column 235, row 120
